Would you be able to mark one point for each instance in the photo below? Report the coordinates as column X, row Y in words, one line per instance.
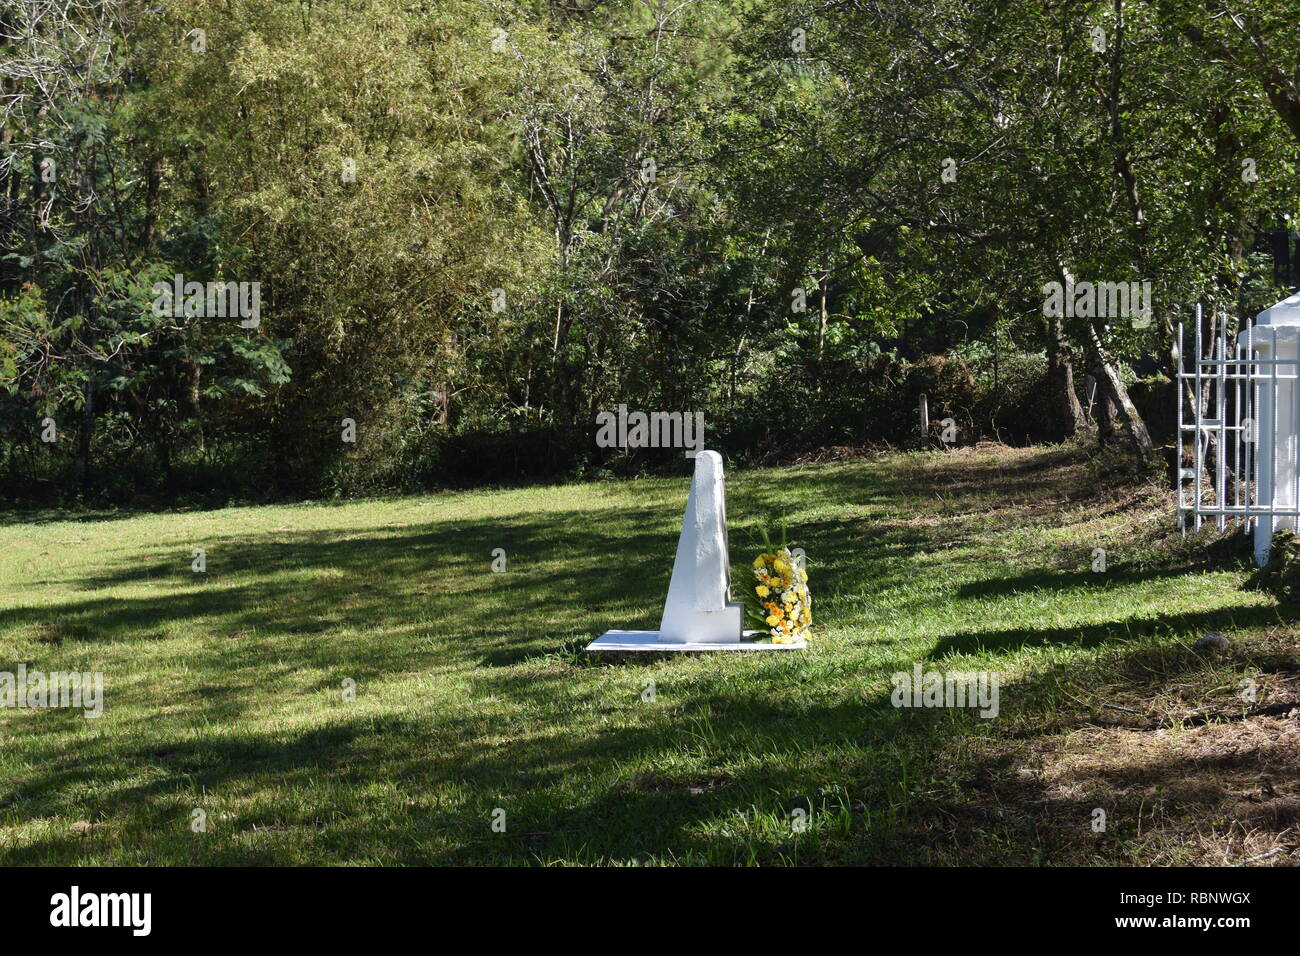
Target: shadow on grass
column 1103, row 734
column 1194, row 623
column 708, row 774
column 1062, row 581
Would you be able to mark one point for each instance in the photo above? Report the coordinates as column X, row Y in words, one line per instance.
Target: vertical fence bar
column 1221, row 403
column 1272, row 455
column 1295, row 443
column 1179, row 383
column 1252, row 406
column 1236, row 415
column 1197, row 453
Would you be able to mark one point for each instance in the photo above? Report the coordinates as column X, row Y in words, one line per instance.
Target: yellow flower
column 773, row 620
column 780, row 566
column 761, row 591
column 803, row 575
column 758, row 561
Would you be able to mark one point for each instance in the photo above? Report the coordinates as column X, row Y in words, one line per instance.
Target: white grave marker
column 699, row 614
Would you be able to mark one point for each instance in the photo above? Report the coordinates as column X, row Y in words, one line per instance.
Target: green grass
column 224, row 690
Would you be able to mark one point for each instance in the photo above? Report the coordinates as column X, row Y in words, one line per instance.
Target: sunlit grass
column 225, row 690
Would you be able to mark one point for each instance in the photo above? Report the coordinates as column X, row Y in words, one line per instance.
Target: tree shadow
column 709, row 773
column 1123, row 629
column 1064, row 581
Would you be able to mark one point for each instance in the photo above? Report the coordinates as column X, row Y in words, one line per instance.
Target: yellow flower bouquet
column 779, row 600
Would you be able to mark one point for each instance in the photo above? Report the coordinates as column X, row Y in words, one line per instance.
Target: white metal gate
column 1238, row 410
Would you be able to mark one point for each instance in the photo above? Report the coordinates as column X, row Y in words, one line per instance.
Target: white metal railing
column 1244, row 404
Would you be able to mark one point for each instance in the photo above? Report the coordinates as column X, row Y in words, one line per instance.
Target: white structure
column 699, row 614
column 1246, row 413
column 698, row 609
column 1279, row 463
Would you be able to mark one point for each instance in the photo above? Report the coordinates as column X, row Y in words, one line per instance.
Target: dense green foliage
column 477, row 223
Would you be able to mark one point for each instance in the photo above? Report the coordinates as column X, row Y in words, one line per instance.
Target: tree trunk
column 1112, row 388
column 1105, row 412
column 1067, row 414
column 81, row 464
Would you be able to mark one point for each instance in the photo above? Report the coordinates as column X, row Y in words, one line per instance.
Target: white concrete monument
column 1277, row 328
column 699, row 614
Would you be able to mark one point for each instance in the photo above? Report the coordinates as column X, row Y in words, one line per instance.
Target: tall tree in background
column 360, row 168
column 1033, row 144
column 81, row 340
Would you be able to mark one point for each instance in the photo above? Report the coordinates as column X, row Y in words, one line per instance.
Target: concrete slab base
column 623, row 645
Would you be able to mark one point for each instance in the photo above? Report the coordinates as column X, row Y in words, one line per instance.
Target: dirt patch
column 1161, row 763
column 1226, row 791
column 1214, row 795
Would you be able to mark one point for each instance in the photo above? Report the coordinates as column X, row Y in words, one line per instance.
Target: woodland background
column 504, row 145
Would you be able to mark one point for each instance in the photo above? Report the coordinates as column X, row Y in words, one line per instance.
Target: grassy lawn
column 223, row 691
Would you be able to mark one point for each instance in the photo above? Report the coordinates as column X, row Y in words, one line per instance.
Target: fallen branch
column 1263, row 856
